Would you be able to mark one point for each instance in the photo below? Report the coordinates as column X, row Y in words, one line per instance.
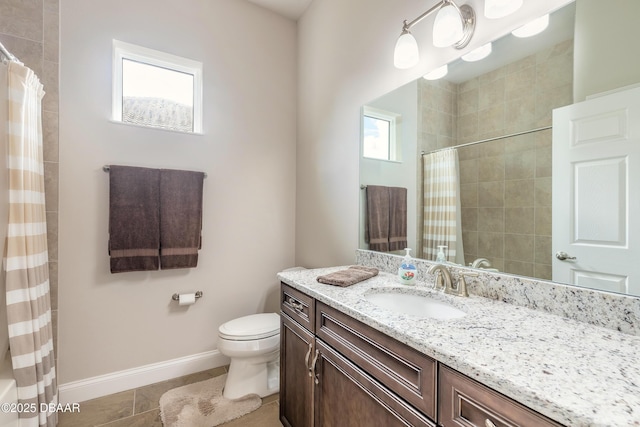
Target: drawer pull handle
column 312, row 371
column 296, row 305
column 306, row 357
column 489, row 423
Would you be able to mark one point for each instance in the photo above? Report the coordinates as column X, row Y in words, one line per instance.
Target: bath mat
column 202, row 405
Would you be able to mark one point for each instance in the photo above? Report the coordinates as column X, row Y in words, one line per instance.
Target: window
column 380, row 134
column 156, row 89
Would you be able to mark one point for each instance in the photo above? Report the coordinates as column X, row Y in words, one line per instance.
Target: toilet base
column 248, row 376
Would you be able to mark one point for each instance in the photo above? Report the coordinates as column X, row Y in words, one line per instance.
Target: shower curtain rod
column 6, row 53
column 106, row 168
column 496, row 138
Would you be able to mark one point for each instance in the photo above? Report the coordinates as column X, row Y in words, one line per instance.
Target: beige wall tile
column 519, row 220
column 518, row 267
column 469, row 217
column 519, row 83
column 50, row 136
column 53, row 283
column 543, row 271
column 468, row 171
column 543, row 221
column 520, row 114
column 470, row 243
column 542, row 188
column 490, row 245
column 49, row 79
column 467, row 102
column 491, row 93
column 519, row 193
column 491, row 169
column 469, row 195
column 491, row 220
column 519, row 247
column 491, row 121
column 52, row 235
column 520, row 165
column 543, row 250
column 51, row 177
column 491, row 194
column 22, row 18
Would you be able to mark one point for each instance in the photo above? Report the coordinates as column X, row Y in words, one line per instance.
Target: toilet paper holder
column 176, row 296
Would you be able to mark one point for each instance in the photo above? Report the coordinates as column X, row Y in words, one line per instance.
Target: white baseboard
column 103, row 385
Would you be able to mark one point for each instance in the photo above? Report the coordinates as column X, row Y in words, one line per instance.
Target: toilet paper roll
column 186, row 299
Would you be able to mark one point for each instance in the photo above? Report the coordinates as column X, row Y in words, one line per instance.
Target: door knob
column 563, row 256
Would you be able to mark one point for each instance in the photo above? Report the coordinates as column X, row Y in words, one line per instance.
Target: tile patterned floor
column 139, row 407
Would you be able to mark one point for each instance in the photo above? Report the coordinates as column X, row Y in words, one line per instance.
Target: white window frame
column 394, row 119
column 122, row 50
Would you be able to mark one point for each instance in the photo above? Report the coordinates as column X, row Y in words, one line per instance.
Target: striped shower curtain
column 442, row 214
column 26, row 257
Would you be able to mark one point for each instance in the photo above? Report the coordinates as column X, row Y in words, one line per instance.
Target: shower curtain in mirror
column 441, row 215
column 26, row 266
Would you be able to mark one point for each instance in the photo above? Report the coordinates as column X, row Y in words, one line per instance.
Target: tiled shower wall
column 505, row 184
column 29, row 29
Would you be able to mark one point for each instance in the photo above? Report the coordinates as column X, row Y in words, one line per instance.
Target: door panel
column 596, row 192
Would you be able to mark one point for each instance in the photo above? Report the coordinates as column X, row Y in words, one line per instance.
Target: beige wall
column 345, row 53
column 110, row 323
column 29, row 30
column 608, row 58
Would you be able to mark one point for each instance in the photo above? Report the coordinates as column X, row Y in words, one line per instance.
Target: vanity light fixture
column 436, row 74
column 478, row 53
column 532, row 28
column 494, row 9
column 453, row 26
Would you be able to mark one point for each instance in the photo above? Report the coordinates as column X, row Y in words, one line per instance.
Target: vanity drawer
column 297, row 305
column 398, row 367
column 465, row 402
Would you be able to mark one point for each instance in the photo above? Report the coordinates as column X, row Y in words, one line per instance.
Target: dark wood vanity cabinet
column 297, row 345
column 337, row 371
column 465, row 402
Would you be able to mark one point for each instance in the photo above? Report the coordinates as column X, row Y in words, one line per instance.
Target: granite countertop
column 574, row 373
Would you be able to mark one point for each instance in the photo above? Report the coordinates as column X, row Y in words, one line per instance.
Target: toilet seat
column 252, row 327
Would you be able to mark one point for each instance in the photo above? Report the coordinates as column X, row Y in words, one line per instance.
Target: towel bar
column 176, row 297
column 106, row 168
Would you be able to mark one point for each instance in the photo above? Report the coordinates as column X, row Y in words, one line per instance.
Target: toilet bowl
column 253, row 345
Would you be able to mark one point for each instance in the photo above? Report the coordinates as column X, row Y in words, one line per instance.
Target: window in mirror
column 380, row 134
column 156, row 89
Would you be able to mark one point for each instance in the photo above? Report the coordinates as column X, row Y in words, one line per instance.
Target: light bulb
column 406, row 53
column 494, row 9
column 438, row 73
column 478, row 53
column 447, row 28
column 532, row 28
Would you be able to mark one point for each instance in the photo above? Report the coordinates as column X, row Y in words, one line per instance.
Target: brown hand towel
column 378, row 218
column 134, row 238
column 349, row 276
column 180, row 218
column 397, row 218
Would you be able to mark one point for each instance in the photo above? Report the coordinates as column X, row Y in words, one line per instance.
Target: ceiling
column 291, row 9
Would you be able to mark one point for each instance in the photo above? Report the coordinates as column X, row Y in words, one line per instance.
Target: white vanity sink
column 416, row 305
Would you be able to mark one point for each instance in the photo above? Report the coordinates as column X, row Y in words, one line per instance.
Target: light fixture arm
column 408, row 25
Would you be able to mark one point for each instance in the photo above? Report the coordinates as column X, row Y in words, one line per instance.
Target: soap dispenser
column 441, row 257
column 407, row 272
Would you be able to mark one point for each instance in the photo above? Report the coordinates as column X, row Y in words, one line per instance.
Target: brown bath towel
column 378, row 218
column 134, row 239
column 180, row 218
column 349, row 276
column 397, row 218
column 386, row 218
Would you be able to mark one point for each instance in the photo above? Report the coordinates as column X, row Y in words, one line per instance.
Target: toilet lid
column 251, row 327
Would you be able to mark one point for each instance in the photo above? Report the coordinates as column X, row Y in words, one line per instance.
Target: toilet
column 253, row 345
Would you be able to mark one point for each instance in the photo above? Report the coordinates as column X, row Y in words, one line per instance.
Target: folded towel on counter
column 180, row 218
column 349, row 276
column 134, row 218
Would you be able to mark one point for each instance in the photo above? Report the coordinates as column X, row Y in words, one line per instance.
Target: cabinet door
column 465, row 402
column 345, row 396
column 296, row 385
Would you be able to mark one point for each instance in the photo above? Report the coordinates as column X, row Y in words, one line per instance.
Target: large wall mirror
column 497, row 113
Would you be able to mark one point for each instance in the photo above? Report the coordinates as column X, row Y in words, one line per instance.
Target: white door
column 596, row 193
